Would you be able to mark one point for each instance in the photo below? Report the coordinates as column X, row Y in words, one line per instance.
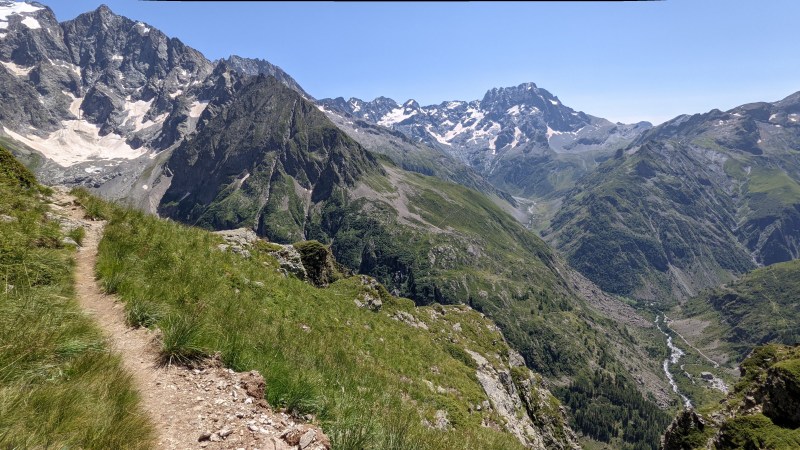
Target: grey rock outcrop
column 241, row 240
column 290, row 261
column 524, row 404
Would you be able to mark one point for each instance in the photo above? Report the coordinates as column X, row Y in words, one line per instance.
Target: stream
column 674, row 357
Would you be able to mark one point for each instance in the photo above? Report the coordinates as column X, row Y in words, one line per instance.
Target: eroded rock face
column 539, row 426
column 254, row 384
column 782, row 396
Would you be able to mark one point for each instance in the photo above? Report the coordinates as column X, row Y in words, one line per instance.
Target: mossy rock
column 782, row 402
column 319, row 262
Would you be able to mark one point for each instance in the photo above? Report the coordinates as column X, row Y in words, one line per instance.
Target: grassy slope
column 361, row 372
column 640, row 218
column 59, row 386
column 758, row 308
column 461, row 248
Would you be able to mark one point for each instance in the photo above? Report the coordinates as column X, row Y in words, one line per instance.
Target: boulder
column 290, row 261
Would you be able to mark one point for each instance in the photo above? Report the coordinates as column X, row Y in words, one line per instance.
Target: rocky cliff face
column 255, row 67
column 102, row 93
column 95, row 99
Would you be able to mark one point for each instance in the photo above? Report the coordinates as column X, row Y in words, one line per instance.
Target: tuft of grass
column 77, row 235
column 180, row 340
column 141, row 313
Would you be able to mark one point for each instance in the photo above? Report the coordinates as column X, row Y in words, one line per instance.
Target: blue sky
column 624, row 61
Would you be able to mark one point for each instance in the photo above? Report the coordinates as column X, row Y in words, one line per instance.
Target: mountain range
column 521, row 139
column 455, row 203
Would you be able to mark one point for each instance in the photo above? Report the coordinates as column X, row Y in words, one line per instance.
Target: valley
column 502, row 272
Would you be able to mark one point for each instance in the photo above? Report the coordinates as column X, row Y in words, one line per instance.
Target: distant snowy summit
column 523, row 118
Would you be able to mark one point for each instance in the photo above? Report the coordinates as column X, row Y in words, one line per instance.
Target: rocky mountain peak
column 525, row 93
column 411, row 104
column 255, row 66
column 266, row 130
column 523, row 118
column 104, row 12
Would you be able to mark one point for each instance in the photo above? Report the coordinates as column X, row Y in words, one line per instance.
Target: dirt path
column 203, row 407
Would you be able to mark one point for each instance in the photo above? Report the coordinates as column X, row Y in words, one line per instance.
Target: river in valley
column 673, row 359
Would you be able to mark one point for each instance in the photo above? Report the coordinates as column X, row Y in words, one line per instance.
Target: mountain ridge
column 734, row 174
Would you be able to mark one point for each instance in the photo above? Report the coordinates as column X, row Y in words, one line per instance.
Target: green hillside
column 373, row 377
column 650, row 225
column 691, row 204
column 271, row 161
column 759, row 308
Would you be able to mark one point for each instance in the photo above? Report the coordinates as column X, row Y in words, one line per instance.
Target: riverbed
column 673, row 359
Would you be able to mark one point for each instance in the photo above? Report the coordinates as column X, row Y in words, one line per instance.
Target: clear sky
column 625, row 61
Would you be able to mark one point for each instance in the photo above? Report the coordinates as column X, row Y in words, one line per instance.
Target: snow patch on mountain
column 75, row 104
column 16, row 69
column 551, row 132
column 142, row 28
column 8, row 9
column 136, row 112
column 31, row 23
column 197, row 108
column 517, row 136
column 439, row 138
column 396, row 116
column 78, row 141
column 70, row 66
